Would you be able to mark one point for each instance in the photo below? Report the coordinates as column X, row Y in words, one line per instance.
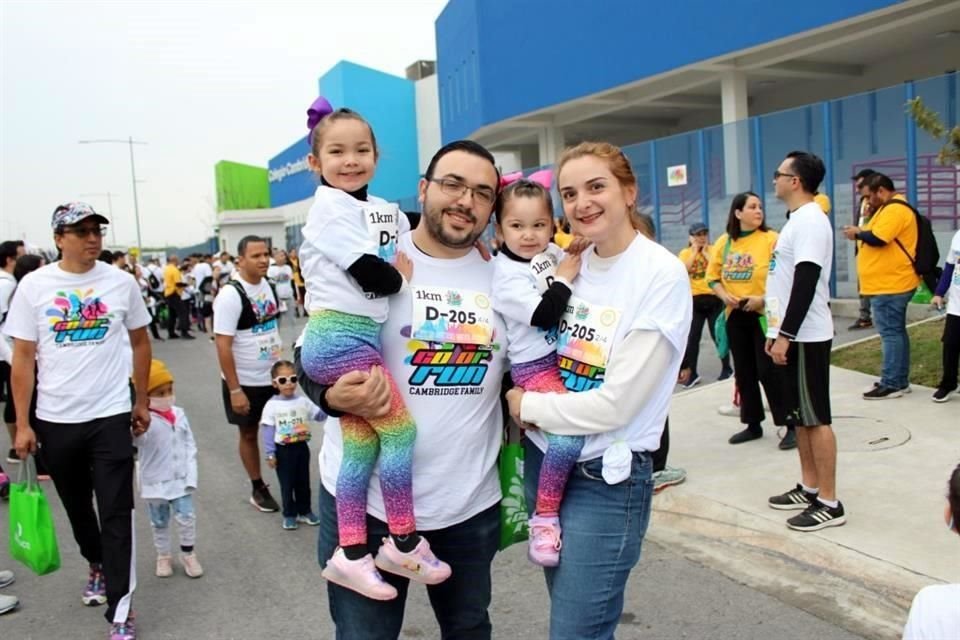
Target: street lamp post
column 113, row 227
column 133, row 175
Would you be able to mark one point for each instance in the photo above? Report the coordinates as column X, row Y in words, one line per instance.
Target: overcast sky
column 199, row 81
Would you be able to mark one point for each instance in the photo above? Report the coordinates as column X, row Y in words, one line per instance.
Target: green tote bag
column 33, row 539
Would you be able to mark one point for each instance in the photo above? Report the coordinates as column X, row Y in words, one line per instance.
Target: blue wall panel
column 490, row 53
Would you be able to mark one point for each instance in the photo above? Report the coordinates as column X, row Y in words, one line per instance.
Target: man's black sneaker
column 789, row 440
column 941, row 394
column 745, row 436
column 791, row 500
column 818, row 516
column 263, row 501
column 881, row 392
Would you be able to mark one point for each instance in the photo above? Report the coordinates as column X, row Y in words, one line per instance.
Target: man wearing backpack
column 248, row 343
column 887, row 251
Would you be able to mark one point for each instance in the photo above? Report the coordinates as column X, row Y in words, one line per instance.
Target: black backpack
column 926, row 257
column 153, row 281
column 248, row 318
column 206, row 285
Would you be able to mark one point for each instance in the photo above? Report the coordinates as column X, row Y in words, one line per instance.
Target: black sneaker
column 792, row 500
column 263, row 501
column 745, row 436
column 789, row 440
column 860, row 324
column 941, row 394
column 692, row 382
column 818, row 516
column 726, row 373
column 880, row 392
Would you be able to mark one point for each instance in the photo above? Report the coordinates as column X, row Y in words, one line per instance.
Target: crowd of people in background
column 763, row 293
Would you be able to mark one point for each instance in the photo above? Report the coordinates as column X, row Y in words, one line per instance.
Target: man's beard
column 434, row 221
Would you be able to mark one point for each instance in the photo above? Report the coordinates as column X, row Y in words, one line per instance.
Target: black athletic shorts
column 257, row 396
column 806, row 384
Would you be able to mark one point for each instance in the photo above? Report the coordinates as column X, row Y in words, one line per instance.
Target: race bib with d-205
column 459, row 316
column 586, row 333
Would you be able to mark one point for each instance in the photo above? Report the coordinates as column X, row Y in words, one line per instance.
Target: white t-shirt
column 283, row 278
column 157, row 272
column 934, row 614
column 201, row 271
column 80, row 323
column 339, row 230
column 7, row 286
column 226, row 269
column 452, row 391
column 807, row 237
column 257, row 348
column 291, row 417
column 520, row 286
column 953, row 293
column 612, row 300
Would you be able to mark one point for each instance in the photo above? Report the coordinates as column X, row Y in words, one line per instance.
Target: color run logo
column 449, row 365
column 739, row 266
column 78, row 317
column 579, row 376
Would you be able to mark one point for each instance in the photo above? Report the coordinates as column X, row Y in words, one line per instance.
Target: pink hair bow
column 543, row 177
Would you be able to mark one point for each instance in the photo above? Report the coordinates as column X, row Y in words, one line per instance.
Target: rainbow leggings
column 336, row 343
column 562, row 451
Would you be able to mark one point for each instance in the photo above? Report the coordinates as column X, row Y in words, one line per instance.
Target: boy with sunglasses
column 285, row 430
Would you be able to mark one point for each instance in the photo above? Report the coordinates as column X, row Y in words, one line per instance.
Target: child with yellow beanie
column 168, row 473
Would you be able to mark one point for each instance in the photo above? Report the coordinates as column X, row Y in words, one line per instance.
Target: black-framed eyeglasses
column 83, row 232
column 778, row 174
column 454, row 188
column 285, row 379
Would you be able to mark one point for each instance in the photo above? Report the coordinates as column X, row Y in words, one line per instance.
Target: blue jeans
column 459, row 603
column 603, row 528
column 890, row 318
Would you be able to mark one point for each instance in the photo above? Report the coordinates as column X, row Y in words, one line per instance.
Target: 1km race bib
column 269, row 346
column 441, row 314
column 383, row 225
column 586, row 332
column 772, row 309
column 543, row 268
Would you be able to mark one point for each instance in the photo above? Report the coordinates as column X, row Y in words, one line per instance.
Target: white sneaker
column 191, row 566
column 8, row 603
column 6, row 578
column 164, row 566
column 729, row 410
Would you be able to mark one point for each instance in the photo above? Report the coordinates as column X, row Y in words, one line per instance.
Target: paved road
column 262, row 582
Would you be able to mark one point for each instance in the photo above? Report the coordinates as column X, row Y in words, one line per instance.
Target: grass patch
column 925, row 354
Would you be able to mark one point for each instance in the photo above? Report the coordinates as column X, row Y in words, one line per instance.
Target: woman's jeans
column 602, row 530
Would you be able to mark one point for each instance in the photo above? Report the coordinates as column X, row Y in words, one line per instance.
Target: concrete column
column 550, row 143
column 736, row 137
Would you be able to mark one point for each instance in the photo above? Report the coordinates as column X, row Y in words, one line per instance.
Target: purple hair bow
column 543, row 177
column 318, row 111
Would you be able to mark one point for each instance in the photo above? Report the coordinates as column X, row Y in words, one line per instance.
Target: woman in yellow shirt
column 706, row 305
column 737, row 273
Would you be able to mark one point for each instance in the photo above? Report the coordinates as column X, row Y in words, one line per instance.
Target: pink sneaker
column 358, row 575
column 420, row 565
column 544, row 549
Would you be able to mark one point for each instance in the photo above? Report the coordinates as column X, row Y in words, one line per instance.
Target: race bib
column 772, row 310
column 543, row 268
column 586, row 332
column 383, row 225
column 269, row 345
column 459, row 316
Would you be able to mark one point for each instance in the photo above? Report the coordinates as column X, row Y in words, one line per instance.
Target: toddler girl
column 350, row 264
column 285, row 427
column 167, row 462
column 533, row 287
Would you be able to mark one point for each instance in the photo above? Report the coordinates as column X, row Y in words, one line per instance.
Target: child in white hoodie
column 168, row 473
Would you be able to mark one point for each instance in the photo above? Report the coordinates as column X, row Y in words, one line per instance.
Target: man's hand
column 777, row 350
column 850, row 232
column 240, row 403
column 140, row 418
column 25, row 441
column 360, row 393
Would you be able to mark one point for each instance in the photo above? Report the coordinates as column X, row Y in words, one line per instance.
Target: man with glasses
column 450, row 382
column 72, row 319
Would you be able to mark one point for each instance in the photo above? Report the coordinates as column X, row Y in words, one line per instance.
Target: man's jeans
column 460, row 603
column 890, row 318
column 602, row 529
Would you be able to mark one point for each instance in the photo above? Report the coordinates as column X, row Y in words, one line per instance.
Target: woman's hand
column 569, row 267
column 514, row 402
column 754, row 304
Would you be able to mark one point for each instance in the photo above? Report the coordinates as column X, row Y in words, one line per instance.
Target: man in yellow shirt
column 886, row 247
column 176, row 310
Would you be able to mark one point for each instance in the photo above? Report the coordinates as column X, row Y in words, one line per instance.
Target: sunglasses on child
column 285, row 379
